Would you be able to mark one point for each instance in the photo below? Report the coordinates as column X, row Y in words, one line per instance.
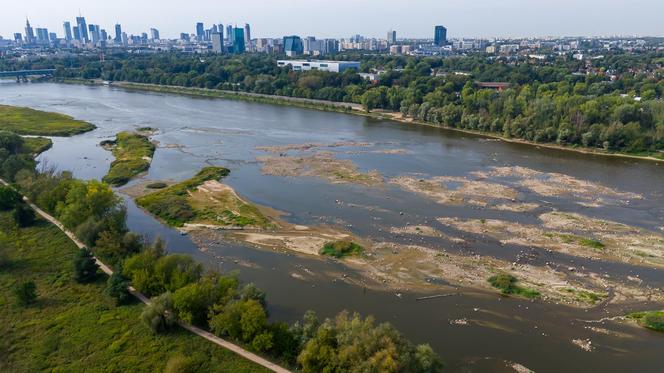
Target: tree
column 23, row 215
column 240, row 320
column 85, row 266
column 8, row 198
column 117, row 287
column 25, row 293
column 158, row 315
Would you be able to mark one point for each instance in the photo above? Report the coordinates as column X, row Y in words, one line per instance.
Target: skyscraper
column 42, row 35
column 154, row 34
column 200, row 31
column 220, row 27
column 440, row 36
column 238, row 40
column 229, row 34
column 67, row 27
column 95, row 35
column 82, row 29
column 118, row 33
column 391, row 37
column 29, row 33
column 247, row 36
column 293, row 46
column 217, row 42
column 77, row 34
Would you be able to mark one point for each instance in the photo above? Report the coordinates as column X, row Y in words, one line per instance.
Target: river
column 196, row 132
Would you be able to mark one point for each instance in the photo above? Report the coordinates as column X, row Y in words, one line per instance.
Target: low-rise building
column 331, row 66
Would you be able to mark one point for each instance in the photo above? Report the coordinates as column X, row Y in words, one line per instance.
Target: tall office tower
column 94, row 33
column 247, row 36
column 238, row 40
column 18, row 38
column 214, row 29
column 220, row 27
column 293, row 46
column 217, row 42
column 125, row 39
column 440, row 36
column 200, row 31
column 103, row 35
column 82, row 29
column 154, row 34
column 52, row 37
column 67, row 27
column 184, row 36
column 77, row 34
column 29, row 33
column 229, row 34
column 391, row 37
column 42, row 35
column 118, row 33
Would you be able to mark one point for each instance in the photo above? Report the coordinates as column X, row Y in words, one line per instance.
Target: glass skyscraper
column 440, row 36
column 238, row 40
column 82, row 29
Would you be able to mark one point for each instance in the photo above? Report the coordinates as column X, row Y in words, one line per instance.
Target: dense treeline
column 183, row 290
column 613, row 102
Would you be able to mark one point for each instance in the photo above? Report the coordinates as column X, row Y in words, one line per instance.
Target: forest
column 611, row 102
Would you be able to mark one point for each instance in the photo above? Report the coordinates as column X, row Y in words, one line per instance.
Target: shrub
column 85, row 266
column 508, row 285
column 117, row 287
column 158, row 185
column 181, row 364
column 159, row 316
column 9, row 198
column 23, row 215
column 341, row 249
column 25, row 293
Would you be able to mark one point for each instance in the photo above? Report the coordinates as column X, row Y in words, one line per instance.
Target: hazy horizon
column 343, row 18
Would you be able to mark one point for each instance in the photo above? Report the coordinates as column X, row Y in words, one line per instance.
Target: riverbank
column 72, row 326
column 30, row 122
column 349, row 108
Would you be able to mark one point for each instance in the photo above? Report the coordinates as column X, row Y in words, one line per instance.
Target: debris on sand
column 518, row 368
column 309, row 146
column 584, row 344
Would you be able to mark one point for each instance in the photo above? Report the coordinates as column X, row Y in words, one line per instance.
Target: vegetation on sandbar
column 133, row 154
column 341, row 249
column 26, row 121
column 508, row 285
column 203, row 200
column 653, row 320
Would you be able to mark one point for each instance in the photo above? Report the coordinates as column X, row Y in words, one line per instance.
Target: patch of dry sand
column 321, row 165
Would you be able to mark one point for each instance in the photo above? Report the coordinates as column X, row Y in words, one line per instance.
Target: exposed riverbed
column 402, row 186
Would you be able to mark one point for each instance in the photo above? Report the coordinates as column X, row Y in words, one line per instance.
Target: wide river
column 195, row 132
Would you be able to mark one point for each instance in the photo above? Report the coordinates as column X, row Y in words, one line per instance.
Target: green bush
column 158, row 315
column 85, row 266
column 341, row 249
column 9, row 198
column 508, row 285
column 25, row 293
column 117, row 287
column 24, row 215
column 157, row 185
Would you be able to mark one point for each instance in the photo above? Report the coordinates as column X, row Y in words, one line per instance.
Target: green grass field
column 508, row 286
column 653, row 320
column 36, row 145
column 26, row 121
column 133, row 154
column 73, row 327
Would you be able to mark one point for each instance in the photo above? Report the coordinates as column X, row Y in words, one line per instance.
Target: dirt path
column 200, row 332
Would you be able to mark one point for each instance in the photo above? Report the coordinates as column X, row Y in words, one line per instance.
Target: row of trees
column 182, row 291
column 548, row 101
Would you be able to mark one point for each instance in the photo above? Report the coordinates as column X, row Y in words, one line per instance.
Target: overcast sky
column 342, row 18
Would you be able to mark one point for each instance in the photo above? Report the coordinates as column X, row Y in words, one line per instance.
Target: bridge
column 24, row 74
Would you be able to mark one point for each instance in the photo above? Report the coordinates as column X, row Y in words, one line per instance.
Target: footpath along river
column 474, row 330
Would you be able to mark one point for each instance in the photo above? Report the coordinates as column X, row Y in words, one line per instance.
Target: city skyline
column 370, row 18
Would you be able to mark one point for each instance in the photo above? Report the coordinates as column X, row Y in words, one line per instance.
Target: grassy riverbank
column 133, row 154
column 36, row 145
column 74, row 327
column 26, row 121
column 653, row 320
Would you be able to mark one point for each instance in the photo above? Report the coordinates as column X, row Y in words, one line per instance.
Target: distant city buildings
column 238, row 41
column 440, row 36
column 391, row 37
column 217, row 42
column 293, row 46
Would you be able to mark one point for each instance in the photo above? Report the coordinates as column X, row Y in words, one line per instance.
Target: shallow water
column 226, row 133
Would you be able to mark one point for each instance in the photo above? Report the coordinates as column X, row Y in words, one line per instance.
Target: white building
column 332, row 66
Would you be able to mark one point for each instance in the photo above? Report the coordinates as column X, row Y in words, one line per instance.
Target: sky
column 343, row 18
